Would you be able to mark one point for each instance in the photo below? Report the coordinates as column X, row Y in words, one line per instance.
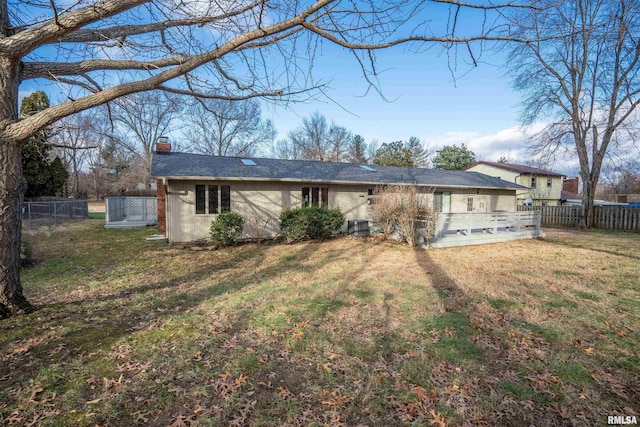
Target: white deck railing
column 461, row 229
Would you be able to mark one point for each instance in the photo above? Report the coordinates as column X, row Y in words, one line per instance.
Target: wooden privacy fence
column 625, row 218
column 556, row 216
column 461, row 229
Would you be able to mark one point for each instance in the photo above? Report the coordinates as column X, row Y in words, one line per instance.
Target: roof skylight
column 368, row 168
column 248, row 162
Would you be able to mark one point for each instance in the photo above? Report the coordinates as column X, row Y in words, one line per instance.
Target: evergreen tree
column 452, row 157
column 418, row 152
column 44, row 177
column 394, row 154
column 358, row 150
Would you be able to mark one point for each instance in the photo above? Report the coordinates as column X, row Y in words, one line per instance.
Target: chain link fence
column 35, row 213
column 132, row 210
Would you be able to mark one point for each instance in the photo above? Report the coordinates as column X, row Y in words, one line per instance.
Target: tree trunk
column 588, row 197
column 12, row 187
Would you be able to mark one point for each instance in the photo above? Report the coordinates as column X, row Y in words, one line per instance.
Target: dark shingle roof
column 517, row 168
column 193, row 166
column 566, row 195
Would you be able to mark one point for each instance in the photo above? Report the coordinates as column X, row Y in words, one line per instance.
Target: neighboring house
column 544, row 187
column 631, row 198
column 572, row 197
column 193, row 188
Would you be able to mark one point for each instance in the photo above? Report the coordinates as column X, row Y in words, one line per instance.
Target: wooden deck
column 462, row 229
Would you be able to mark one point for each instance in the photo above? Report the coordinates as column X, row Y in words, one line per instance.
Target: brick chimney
column 571, row 185
column 162, row 145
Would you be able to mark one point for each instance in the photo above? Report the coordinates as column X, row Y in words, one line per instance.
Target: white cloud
column 512, row 143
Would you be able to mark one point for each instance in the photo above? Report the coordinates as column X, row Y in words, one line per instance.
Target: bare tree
column 286, row 149
column 339, row 140
column 621, row 176
column 312, row 138
column 585, row 80
column 137, row 120
column 315, row 139
column 403, row 210
column 227, row 128
column 76, row 138
column 104, row 50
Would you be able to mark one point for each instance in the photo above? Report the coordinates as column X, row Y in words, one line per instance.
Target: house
column 571, row 195
column 193, row 188
column 544, row 187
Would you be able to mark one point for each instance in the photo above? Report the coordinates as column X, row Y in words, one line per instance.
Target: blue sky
column 479, row 108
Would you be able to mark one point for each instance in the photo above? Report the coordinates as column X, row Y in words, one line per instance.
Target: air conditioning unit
column 358, row 228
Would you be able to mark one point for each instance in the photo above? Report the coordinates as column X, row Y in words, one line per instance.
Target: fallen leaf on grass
column 325, row 367
column 92, row 402
column 183, row 421
column 590, row 351
column 241, row 380
column 284, row 394
column 141, row 416
column 35, row 392
column 437, row 419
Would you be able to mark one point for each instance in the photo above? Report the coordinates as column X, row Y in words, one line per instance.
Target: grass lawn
column 347, row 332
column 96, row 215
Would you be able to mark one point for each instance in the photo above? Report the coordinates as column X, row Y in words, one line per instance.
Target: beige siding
column 261, row 203
column 483, row 200
column 542, row 193
column 496, row 172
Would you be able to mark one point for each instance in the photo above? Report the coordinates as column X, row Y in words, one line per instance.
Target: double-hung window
column 212, row 199
column 315, row 196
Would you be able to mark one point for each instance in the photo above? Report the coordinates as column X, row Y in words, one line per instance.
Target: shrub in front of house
column 312, row 222
column 405, row 212
column 226, row 229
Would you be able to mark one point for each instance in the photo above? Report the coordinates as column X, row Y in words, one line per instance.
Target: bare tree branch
column 25, row 41
column 32, row 70
column 22, row 129
column 112, row 33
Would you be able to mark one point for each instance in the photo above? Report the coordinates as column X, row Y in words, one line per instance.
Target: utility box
column 358, row 228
